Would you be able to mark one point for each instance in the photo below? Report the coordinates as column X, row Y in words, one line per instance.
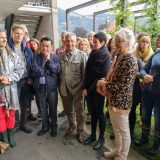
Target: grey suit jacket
column 72, row 72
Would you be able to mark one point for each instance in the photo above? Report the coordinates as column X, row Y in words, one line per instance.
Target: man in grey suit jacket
column 72, row 71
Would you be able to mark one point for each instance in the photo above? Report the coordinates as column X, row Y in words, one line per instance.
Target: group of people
column 81, row 70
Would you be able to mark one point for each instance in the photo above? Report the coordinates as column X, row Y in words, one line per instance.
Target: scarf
column 98, row 58
column 4, row 71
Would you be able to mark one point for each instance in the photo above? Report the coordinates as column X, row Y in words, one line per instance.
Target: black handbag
column 154, row 86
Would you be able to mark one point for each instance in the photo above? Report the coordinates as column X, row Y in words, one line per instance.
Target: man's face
column 45, row 47
column 70, row 43
column 63, row 37
column 3, row 39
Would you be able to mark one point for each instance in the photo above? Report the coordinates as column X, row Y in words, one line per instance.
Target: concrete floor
column 32, row 147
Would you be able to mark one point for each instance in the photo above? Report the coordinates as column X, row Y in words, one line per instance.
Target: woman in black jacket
column 97, row 67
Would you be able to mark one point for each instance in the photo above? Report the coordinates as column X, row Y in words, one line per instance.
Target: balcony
column 39, row 3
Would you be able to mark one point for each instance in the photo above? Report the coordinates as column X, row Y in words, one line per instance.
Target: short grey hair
column 70, row 34
column 127, row 36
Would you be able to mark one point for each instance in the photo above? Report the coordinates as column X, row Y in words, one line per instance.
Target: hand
column 148, row 78
column 84, row 92
column 101, row 87
column 4, row 80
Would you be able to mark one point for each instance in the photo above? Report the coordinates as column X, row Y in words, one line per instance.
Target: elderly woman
column 151, row 100
column 11, row 70
column 118, row 86
column 97, row 67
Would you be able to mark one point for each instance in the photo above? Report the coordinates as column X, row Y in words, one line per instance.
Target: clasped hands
column 4, row 80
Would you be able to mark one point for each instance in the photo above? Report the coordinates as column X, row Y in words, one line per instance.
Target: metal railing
column 42, row 3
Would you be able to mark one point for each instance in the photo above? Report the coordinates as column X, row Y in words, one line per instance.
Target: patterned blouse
column 120, row 87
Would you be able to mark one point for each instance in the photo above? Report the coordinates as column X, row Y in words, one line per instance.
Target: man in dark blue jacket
column 46, row 67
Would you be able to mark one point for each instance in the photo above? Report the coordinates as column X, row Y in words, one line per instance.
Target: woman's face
column 121, row 46
column 18, row 35
column 3, row 40
column 113, row 44
column 96, row 44
column 34, row 46
column 90, row 38
column 144, row 45
column 83, row 46
column 158, row 42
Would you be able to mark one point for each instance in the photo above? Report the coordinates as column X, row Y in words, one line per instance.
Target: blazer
column 72, row 72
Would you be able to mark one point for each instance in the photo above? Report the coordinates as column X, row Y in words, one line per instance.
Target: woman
column 90, row 39
column 34, row 45
column 97, row 67
column 17, row 45
column 143, row 49
column 11, row 70
column 151, row 100
column 83, row 45
column 119, row 88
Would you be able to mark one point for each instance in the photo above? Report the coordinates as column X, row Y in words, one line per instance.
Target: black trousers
column 96, row 104
column 48, row 104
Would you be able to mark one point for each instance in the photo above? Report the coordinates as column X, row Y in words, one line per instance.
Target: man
column 45, row 68
column 58, row 51
column 73, row 64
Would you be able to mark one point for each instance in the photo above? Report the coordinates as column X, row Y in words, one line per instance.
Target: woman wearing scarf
column 143, row 49
column 97, row 67
column 11, row 71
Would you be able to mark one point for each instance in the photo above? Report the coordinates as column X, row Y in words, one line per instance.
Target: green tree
column 152, row 24
column 122, row 13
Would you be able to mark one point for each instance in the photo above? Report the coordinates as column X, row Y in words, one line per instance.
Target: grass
column 142, row 149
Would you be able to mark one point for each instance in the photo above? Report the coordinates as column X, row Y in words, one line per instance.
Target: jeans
column 149, row 102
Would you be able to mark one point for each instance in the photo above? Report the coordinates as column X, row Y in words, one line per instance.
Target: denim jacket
column 152, row 67
column 48, row 69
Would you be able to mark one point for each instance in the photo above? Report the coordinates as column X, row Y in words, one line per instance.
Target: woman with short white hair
column 118, row 87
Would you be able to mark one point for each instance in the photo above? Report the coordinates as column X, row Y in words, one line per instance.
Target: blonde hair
column 146, row 53
column 8, row 49
column 88, row 45
column 16, row 26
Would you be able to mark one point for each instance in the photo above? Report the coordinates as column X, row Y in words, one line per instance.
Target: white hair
column 127, row 36
column 70, row 34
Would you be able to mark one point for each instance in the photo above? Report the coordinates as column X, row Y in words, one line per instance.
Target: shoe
column 155, row 148
column 110, row 155
column 11, row 138
column 144, row 140
column 88, row 121
column 53, row 132
column 89, row 140
column 39, row 115
column 111, row 136
column 62, row 114
column 70, row 130
column 80, row 137
column 42, row 132
column 32, row 118
column 26, row 129
column 99, row 144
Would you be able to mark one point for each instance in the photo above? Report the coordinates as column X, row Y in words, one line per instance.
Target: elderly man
column 45, row 68
column 73, row 64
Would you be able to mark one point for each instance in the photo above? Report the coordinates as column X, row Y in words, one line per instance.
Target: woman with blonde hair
column 84, row 46
column 144, row 49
